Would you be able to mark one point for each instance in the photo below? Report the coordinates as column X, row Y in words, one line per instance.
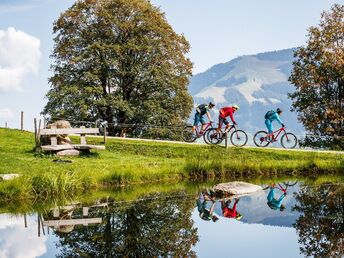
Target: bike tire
column 258, row 142
column 289, row 137
column 213, row 141
column 289, row 184
column 187, row 134
column 206, row 136
column 234, row 138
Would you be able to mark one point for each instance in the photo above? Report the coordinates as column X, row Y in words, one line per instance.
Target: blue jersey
column 275, row 117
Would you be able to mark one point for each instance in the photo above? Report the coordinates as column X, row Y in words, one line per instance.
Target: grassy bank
column 136, row 162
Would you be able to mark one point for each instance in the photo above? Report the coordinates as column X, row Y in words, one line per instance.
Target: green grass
column 135, row 162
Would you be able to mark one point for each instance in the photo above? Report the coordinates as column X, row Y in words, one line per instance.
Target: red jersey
column 227, row 111
column 230, row 213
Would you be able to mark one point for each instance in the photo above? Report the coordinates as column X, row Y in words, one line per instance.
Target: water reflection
column 181, row 224
column 149, row 228
column 320, row 226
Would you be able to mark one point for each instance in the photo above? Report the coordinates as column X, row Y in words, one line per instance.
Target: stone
column 236, row 188
column 6, row 177
column 68, row 153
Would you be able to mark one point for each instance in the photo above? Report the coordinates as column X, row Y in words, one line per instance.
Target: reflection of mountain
column 254, row 209
column 257, row 83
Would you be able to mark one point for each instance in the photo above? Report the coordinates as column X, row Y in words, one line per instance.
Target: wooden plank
column 85, row 211
column 53, row 140
column 89, row 147
column 71, row 222
column 57, row 131
column 83, row 137
column 71, row 147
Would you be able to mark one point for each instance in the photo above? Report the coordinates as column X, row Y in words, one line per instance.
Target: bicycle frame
column 224, row 130
column 279, row 131
column 199, row 129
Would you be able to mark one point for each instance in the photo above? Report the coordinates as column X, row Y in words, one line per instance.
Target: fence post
column 35, row 125
column 104, row 126
column 22, row 120
column 226, row 140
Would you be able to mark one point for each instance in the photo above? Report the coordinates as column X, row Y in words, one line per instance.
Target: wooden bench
column 54, row 133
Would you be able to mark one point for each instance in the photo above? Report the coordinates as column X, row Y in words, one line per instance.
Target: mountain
column 257, row 83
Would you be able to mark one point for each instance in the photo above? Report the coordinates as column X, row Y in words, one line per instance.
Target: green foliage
column 119, row 61
column 318, row 76
column 320, row 226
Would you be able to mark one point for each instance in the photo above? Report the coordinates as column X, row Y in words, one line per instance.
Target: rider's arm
column 208, row 115
column 232, row 117
column 278, row 119
column 281, row 198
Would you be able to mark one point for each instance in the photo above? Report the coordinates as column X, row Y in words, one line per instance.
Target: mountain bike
column 188, row 136
column 281, row 186
column 263, row 139
column 238, row 137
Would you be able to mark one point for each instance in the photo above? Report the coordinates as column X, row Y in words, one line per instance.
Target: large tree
column 119, row 61
column 156, row 226
column 320, row 226
column 318, row 76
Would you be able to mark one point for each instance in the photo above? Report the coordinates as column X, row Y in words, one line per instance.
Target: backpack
column 269, row 114
column 203, row 108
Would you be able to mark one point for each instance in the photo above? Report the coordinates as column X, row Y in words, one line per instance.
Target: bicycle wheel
column 289, row 141
column 213, row 136
column 261, row 139
column 239, row 138
column 289, row 183
column 206, row 136
column 187, row 134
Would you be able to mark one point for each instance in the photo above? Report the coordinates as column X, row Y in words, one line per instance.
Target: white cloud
column 6, row 8
column 19, row 58
column 16, row 241
column 6, row 113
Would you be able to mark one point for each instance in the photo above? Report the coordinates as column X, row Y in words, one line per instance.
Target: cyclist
column 274, row 203
column 271, row 116
column 204, row 212
column 230, row 212
column 202, row 110
column 224, row 113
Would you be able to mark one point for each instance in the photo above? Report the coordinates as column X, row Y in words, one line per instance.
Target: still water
column 289, row 219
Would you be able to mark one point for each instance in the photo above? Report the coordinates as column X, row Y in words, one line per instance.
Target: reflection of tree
column 147, row 228
column 320, row 226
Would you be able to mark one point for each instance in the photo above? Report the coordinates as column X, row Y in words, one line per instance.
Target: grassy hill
column 135, row 162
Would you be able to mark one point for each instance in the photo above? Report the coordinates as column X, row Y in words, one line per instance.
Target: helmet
column 211, row 104
column 279, row 110
column 236, row 107
column 238, row 216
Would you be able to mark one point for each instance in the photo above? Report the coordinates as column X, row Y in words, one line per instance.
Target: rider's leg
column 225, row 121
column 271, row 194
column 197, row 120
column 204, row 124
column 220, row 124
column 269, row 126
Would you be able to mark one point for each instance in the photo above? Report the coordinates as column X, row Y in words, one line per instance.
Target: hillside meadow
column 128, row 162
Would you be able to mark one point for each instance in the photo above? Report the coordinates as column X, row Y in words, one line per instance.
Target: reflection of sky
column 261, row 233
column 16, row 241
column 231, row 238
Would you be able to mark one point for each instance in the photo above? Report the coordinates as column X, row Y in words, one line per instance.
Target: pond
column 304, row 219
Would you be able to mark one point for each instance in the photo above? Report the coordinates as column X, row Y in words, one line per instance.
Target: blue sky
column 218, row 30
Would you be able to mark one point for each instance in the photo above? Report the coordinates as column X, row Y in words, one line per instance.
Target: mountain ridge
column 257, row 83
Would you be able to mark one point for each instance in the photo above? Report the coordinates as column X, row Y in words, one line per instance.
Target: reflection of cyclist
column 271, row 116
column 230, row 212
column 224, row 113
column 202, row 110
column 274, row 203
column 204, row 213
